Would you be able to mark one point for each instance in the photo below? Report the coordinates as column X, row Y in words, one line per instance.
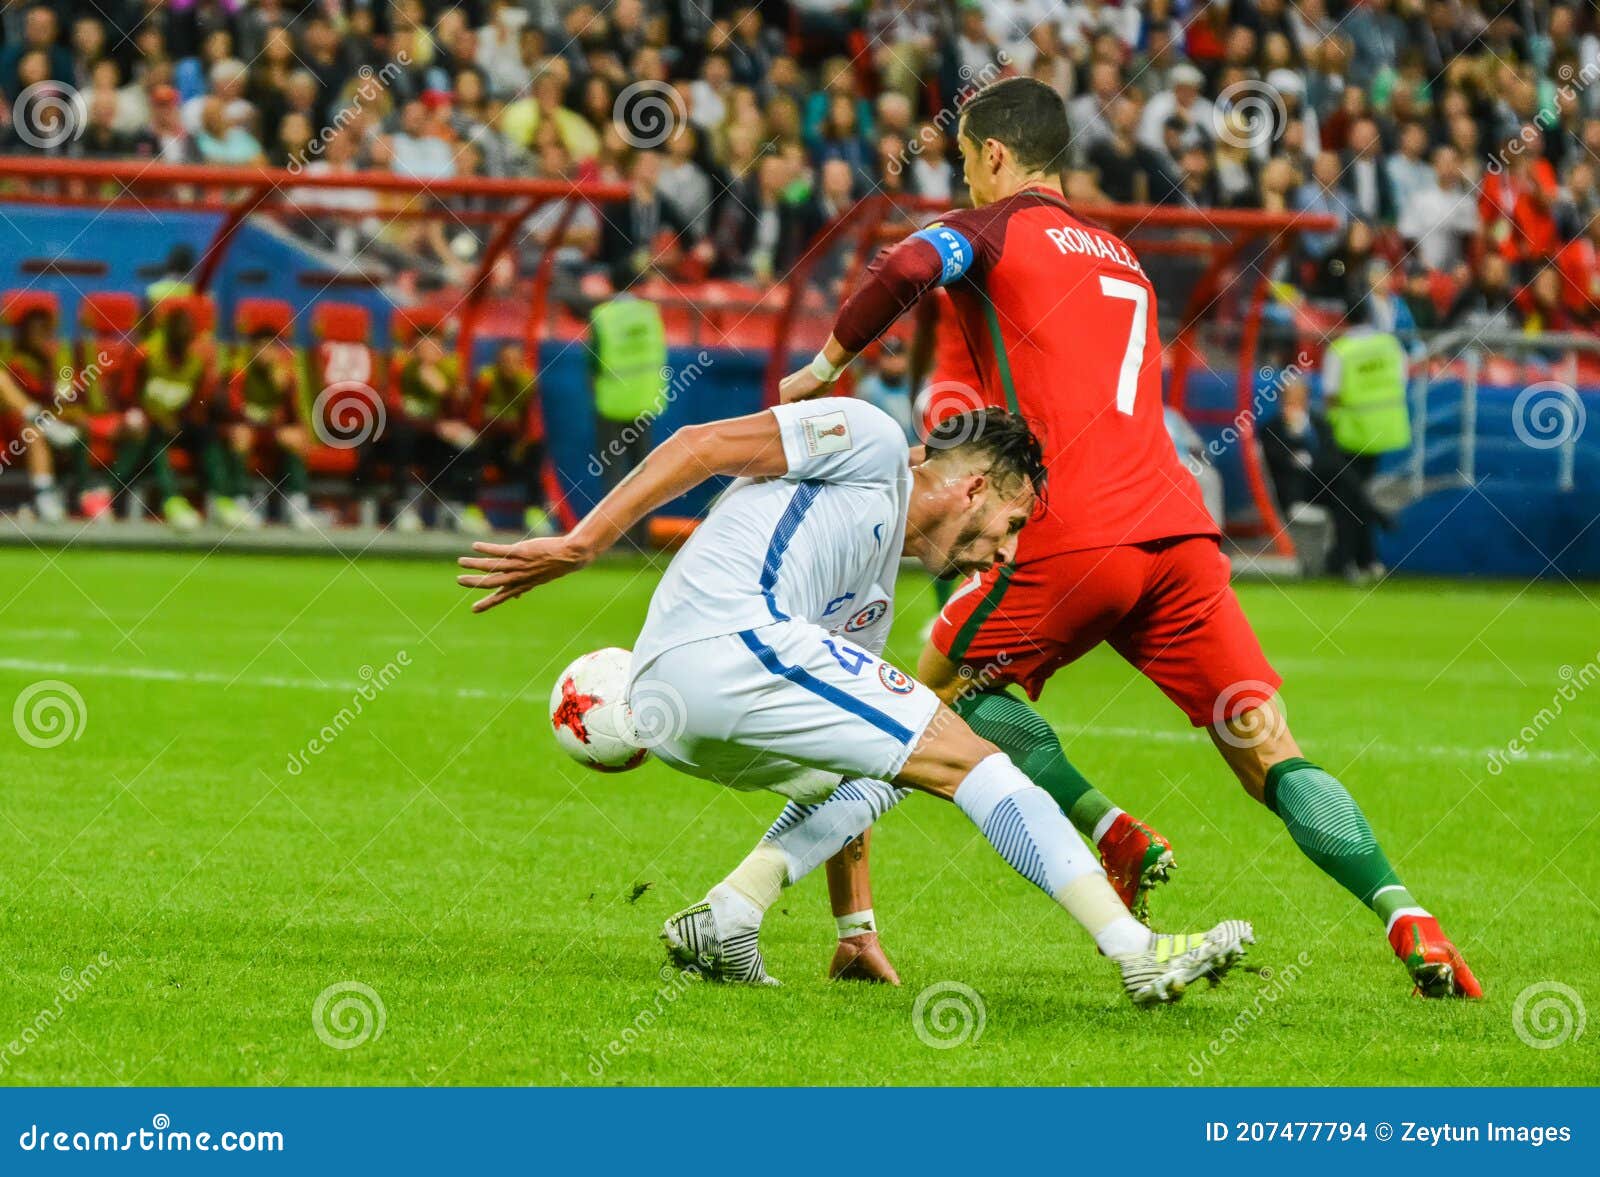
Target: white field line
column 1173, row 735
column 339, row 686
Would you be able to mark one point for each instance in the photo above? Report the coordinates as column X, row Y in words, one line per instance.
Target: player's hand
column 801, row 385
column 862, row 958
column 513, row 569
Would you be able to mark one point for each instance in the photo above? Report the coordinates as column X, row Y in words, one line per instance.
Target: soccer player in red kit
column 1060, row 322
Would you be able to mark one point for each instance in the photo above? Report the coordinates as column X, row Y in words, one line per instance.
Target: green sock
column 238, row 473
column 1329, row 827
column 217, row 461
column 161, row 472
column 294, row 473
column 78, row 460
column 1022, row 734
column 125, row 466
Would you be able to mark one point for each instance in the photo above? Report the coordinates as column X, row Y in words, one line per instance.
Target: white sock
column 732, row 909
column 1025, row 825
column 809, row 835
column 1104, row 824
column 1401, row 912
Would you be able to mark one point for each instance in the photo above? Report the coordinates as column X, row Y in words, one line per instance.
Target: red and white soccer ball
column 589, row 712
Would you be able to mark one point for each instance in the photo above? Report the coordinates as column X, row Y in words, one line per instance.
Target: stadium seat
column 341, row 354
column 341, row 322
column 16, row 303
column 257, row 314
column 201, row 306
column 108, row 312
column 105, row 341
column 409, row 322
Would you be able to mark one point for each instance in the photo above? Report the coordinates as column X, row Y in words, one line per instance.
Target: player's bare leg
column 1329, row 827
column 859, row 957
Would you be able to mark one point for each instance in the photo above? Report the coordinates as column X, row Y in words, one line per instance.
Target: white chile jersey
column 820, row 544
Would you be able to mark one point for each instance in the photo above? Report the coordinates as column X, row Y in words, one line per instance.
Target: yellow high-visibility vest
column 630, row 348
column 1370, row 414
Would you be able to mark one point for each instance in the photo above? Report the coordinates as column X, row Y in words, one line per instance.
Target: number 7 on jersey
column 1133, row 357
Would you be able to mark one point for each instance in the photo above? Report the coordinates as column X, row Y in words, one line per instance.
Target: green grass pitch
column 176, row 899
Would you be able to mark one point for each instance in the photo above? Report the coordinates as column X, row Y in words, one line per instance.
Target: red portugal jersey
column 1060, row 323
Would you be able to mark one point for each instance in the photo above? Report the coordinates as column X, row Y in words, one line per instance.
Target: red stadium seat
column 262, row 314
column 409, row 322
column 200, row 306
column 341, row 322
column 341, row 356
column 16, row 303
column 108, row 312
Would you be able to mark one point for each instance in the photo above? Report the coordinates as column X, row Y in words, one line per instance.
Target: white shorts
column 787, row 707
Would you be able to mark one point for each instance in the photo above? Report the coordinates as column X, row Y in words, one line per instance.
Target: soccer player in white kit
column 758, row 665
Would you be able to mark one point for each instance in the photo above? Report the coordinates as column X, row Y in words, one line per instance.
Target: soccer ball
column 589, row 712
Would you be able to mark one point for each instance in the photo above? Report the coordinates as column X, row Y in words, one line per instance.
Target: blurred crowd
column 1455, row 141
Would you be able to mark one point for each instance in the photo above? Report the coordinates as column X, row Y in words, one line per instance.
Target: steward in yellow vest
column 1364, row 385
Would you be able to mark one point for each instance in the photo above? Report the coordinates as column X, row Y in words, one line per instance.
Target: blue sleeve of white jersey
column 954, row 250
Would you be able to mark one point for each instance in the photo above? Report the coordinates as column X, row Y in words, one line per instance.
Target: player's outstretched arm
column 896, row 280
column 819, row 376
column 743, row 446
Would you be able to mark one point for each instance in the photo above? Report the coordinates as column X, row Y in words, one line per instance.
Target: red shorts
column 1166, row 606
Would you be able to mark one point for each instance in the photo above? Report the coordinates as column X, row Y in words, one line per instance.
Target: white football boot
column 694, row 942
column 1162, row 972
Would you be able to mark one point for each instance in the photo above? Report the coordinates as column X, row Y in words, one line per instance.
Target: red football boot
column 1433, row 962
column 1136, row 858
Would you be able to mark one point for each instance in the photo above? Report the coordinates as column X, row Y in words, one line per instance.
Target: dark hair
column 1024, row 114
column 1003, row 442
